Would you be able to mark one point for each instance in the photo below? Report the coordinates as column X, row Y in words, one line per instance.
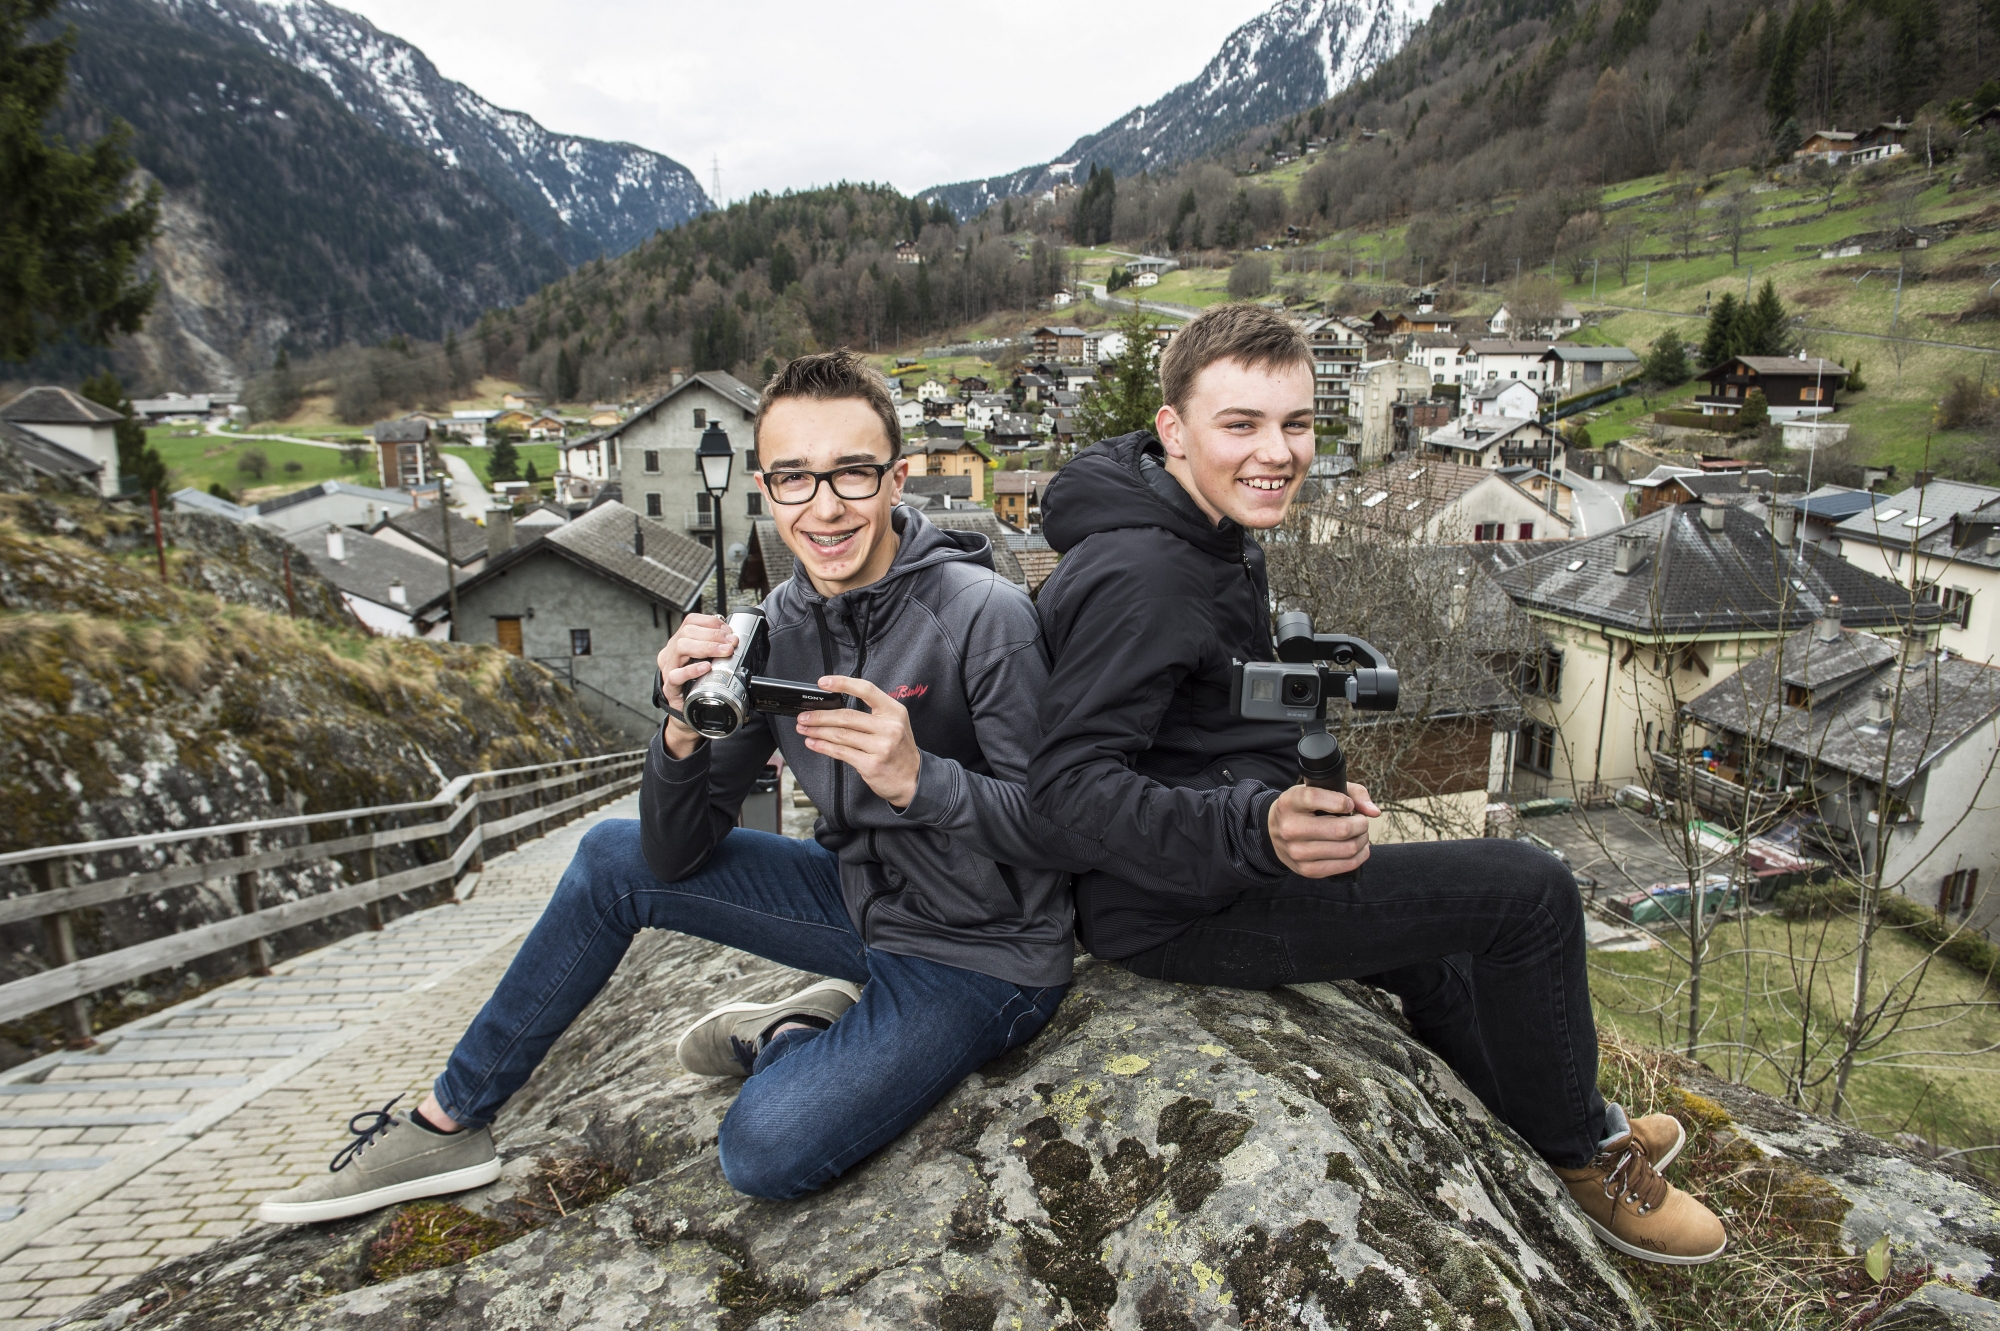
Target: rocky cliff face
column 1293, row 56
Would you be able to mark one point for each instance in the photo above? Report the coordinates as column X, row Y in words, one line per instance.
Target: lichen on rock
column 1282, row 1159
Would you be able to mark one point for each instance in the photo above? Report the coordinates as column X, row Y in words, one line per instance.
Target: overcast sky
column 791, row 93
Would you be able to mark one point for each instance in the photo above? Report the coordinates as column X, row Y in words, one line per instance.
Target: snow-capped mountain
column 1295, row 55
column 585, row 196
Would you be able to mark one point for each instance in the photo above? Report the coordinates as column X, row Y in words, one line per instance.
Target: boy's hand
column 877, row 743
column 1319, row 833
column 685, row 658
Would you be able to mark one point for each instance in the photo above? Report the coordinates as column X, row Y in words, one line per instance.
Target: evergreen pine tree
column 140, row 467
column 1667, row 363
column 1718, row 342
column 503, row 460
column 69, row 243
column 1129, row 398
column 1764, row 323
column 566, row 385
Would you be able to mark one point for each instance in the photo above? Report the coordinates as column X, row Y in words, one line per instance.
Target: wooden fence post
column 368, row 868
column 59, row 930
column 257, row 952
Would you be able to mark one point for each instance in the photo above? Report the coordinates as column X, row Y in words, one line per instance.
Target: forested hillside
column 287, row 219
column 738, row 290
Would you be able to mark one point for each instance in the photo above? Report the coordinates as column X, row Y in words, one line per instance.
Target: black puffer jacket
column 1139, row 747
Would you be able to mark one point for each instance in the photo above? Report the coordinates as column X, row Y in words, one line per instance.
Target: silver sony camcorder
column 722, row 700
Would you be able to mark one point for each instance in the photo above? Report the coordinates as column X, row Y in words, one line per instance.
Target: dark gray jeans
column 1482, row 940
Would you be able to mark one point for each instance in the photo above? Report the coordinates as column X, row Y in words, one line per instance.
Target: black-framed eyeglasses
column 859, row 481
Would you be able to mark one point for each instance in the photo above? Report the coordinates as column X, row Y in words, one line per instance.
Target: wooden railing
column 1719, row 797
column 445, row 835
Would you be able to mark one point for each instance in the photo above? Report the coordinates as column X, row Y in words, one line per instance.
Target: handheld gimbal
column 1296, row 688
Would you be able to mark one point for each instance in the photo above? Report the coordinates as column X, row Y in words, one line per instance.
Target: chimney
column 1915, row 645
column 1712, row 516
column 1460, row 595
column 336, row 544
column 1925, row 478
column 1827, row 627
column 638, row 537
column 499, row 530
column 1992, row 546
column 1879, row 704
column 1784, row 524
column 1629, row 553
column 397, row 596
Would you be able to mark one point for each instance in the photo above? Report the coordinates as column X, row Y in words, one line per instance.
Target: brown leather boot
column 1663, row 1136
column 1641, row 1214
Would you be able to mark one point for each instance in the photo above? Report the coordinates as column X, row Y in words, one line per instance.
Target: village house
column 1062, row 342
column 1401, row 323
column 604, row 418
column 651, row 455
column 1552, row 492
column 1017, row 497
column 1011, row 431
column 522, row 401
column 969, row 384
column 1434, row 503
column 184, row 408
column 930, row 390
column 937, row 493
column 1884, row 140
column 1794, row 386
column 944, row 455
column 1503, row 397
column 1493, row 442
column 382, row 584
column 1378, row 389
column 1338, row 346
column 421, row 532
column 981, row 408
column 1886, row 746
column 342, row 503
column 1505, row 323
column 1641, row 619
column 1439, row 354
column 907, row 252
column 1572, row 369
column 1815, row 516
column 49, row 461
column 470, row 426
column 1666, row 488
column 1950, row 530
column 581, row 471
column 1826, row 145
column 947, row 408
column 404, row 456
column 1487, row 359
column 545, row 427
column 909, row 414
column 592, row 599
column 73, row 423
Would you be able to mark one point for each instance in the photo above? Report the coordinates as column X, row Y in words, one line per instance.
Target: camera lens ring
column 712, row 716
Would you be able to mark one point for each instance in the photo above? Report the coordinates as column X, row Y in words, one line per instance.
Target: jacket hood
column 920, row 545
column 1103, row 489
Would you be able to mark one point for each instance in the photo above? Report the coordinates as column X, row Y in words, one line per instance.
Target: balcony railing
column 1714, row 794
column 698, row 520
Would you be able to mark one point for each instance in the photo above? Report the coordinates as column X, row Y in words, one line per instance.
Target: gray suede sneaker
column 391, row 1160
column 726, row 1041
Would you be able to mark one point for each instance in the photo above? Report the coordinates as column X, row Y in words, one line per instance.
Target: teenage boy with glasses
column 1229, row 872
column 928, row 880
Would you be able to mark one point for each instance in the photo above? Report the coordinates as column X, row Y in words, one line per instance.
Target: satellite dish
column 737, row 551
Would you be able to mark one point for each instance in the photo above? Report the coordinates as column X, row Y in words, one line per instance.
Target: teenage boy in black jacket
column 1228, row 872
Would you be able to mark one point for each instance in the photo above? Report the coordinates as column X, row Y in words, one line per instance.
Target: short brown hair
column 829, row 376
column 1258, row 336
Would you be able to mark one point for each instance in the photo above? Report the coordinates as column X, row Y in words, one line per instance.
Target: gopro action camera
column 1296, row 687
column 718, row 703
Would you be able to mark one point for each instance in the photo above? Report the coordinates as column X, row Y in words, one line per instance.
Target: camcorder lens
column 711, row 718
column 1301, row 690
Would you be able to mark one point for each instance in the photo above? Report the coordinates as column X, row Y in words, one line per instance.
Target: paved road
column 1171, row 310
column 1600, row 505
column 163, row 1139
column 468, row 492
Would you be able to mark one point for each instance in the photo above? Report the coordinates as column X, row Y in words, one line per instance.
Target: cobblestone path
column 164, row 1138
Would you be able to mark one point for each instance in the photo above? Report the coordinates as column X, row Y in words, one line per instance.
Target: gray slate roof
column 1725, row 484
column 672, row 570
column 1936, row 705
column 1834, row 503
column 1566, row 351
column 387, row 498
column 982, row 521
column 402, row 432
column 371, row 565
column 423, row 525
column 1695, row 581
column 955, row 487
column 55, row 406
column 1936, row 505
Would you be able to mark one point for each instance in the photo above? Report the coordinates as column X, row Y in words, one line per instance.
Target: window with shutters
column 653, row 506
column 754, row 504
column 1959, row 889
column 700, row 418
column 653, row 459
column 1487, row 531
column 1527, row 531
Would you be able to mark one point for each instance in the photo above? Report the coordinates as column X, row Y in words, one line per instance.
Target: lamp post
column 713, row 457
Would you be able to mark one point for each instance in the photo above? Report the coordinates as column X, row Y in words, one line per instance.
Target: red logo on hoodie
column 904, row 692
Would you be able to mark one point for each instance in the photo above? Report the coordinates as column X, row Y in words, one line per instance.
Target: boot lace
column 378, row 1122
column 1633, row 1180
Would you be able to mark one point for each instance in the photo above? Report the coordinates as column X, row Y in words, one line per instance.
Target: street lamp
column 713, row 458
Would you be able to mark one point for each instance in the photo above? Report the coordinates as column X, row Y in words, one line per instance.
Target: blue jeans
column 818, row 1102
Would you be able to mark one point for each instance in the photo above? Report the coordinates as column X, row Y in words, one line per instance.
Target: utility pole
column 1646, row 287
column 450, row 567
column 1593, row 279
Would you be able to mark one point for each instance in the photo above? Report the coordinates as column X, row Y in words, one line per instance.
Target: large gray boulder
column 1160, row 1158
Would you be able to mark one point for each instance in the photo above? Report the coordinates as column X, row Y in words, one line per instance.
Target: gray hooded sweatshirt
column 966, row 875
